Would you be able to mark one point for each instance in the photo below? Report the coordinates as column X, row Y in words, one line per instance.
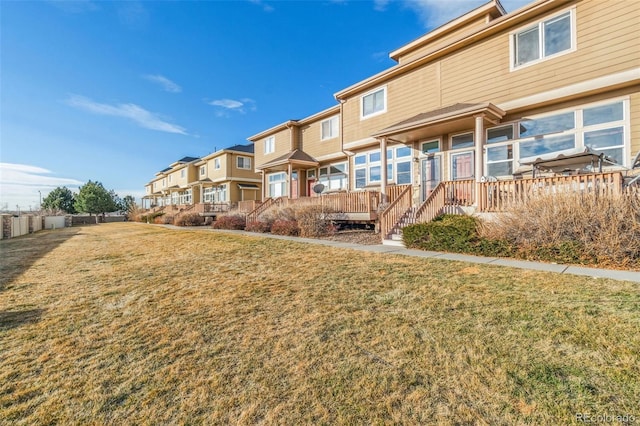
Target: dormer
column 453, row 30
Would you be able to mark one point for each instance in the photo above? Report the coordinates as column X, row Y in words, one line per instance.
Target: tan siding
column 283, row 143
column 214, row 174
column 598, row 54
column 312, row 143
column 635, row 122
column 235, row 172
column 444, row 41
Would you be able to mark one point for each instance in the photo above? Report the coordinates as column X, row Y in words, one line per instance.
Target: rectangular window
column 170, row 176
column 216, row 163
column 311, row 174
column 546, row 39
column 243, row 162
column 203, row 170
column 330, row 128
column 430, row 147
column 500, row 160
column 270, row 145
column 373, row 103
column 183, row 173
column 334, row 177
column 608, row 141
column 464, row 140
column 500, row 134
column 164, row 182
column 368, row 167
column 603, row 114
column 547, row 125
column 277, row 184
column 547, row 145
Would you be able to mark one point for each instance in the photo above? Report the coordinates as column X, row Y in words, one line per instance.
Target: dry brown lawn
column 137, row 324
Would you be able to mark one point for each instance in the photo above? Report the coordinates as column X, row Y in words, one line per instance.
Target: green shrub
column 232, row 221
column 285, row 227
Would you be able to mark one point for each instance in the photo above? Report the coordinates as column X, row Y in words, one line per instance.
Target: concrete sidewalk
column 514, row 263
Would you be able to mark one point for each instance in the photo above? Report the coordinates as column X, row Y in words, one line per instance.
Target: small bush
column 314, row 221
column 454, row 233
column 285, row 227
column 232, row 221
column 189, row 219
column 163, row 219
column 258, row 226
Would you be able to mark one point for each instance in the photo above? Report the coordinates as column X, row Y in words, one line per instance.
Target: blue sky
column 116, row 91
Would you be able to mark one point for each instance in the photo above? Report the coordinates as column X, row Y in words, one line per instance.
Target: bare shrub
column 604, row 229
column 314, row 221
column 230, row 221
column 258, row 226
column 285, row 227
column 163, row 219
column 189, row 219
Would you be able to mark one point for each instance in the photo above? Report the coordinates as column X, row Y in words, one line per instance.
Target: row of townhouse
column 215, row 182
column 481, row 98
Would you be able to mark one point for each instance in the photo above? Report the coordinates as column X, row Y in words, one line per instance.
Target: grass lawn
column 137, row 324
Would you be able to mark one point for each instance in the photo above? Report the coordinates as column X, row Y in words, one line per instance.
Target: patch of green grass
column 128, row 323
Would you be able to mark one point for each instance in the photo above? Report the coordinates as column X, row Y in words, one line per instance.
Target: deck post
column 479, row 142
column 383, row 171
column 264, row 186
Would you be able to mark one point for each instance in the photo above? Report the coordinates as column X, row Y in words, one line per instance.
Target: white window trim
column 270, row 145
column 513, row 34
column 216, row 163
column 245, row 160
column 423, row 154
column 183, row 173
column 386, row 102
column 393, row 161
column 322, row 136
column 203, row 170
column 466, row 148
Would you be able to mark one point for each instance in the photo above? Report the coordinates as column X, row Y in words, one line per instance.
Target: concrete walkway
column 514, row 263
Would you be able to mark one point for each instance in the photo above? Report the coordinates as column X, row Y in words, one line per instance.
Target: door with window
column 462, row 168
column 431, row 175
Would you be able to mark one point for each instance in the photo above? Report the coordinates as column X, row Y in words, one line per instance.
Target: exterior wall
column 444, row 40
column 235, row 172
column 217, row 174
column 176, row 178
column 282, row 147
column 635, row 121
column 598, row 54
column 311, row 139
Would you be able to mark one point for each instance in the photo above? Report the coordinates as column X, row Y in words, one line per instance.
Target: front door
column 431, row 175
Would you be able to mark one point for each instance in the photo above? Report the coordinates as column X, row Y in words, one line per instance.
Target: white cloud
column 133, row 112
column 166, row 84
column 380, row 5
column 434, row 13
column 20, row 183
column 224, row 106
column 265, row 7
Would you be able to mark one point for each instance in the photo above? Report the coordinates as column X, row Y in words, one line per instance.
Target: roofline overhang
column 493, row 27
column 282, row 126
column 322, row 114
column 224, row 151
column 483, row 10
column 491, row 112
column 284, row 162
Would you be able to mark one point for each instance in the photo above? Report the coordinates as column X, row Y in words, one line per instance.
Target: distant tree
column 60, row 198
column 128, row 203
column 93, row 198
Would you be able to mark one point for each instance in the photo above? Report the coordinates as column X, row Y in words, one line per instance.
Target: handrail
column 341, row 202
column 393, row 191
column 253, row 216
column 433, row 205
column 392, row 214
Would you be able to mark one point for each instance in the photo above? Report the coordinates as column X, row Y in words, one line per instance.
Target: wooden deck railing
column 266, row 205
column 341, row 202
column 446, row 194
column 433, row 205
column 396, row 209
column 499, row 196
column 393, row 191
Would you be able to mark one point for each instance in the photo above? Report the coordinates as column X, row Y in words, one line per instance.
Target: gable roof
column 241, row 148
column 295, row 156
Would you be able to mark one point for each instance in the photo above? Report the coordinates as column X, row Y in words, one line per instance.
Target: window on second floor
column 270, row 145
column 330, row 128
column 216, row 163
column 373, row 103
column 203, row 170
column 170, row 176
column 183, row 173
column 543, row 40
column 243, row 162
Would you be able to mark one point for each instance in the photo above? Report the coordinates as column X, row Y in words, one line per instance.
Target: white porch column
column 264, row 186
column 289, row 177
column 479, row 144
column 383, row 170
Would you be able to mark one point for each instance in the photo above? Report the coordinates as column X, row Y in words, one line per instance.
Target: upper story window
column 164, row 182
column 330, row 128
column 170, row 176
column 155, row 185
column 545, row 39
column 270, row 145
column 430, row 147
column 464, row 140
column 183, row 173
column 216, row 163
column 373, row 103
column 243, row 162
column 203, row 170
